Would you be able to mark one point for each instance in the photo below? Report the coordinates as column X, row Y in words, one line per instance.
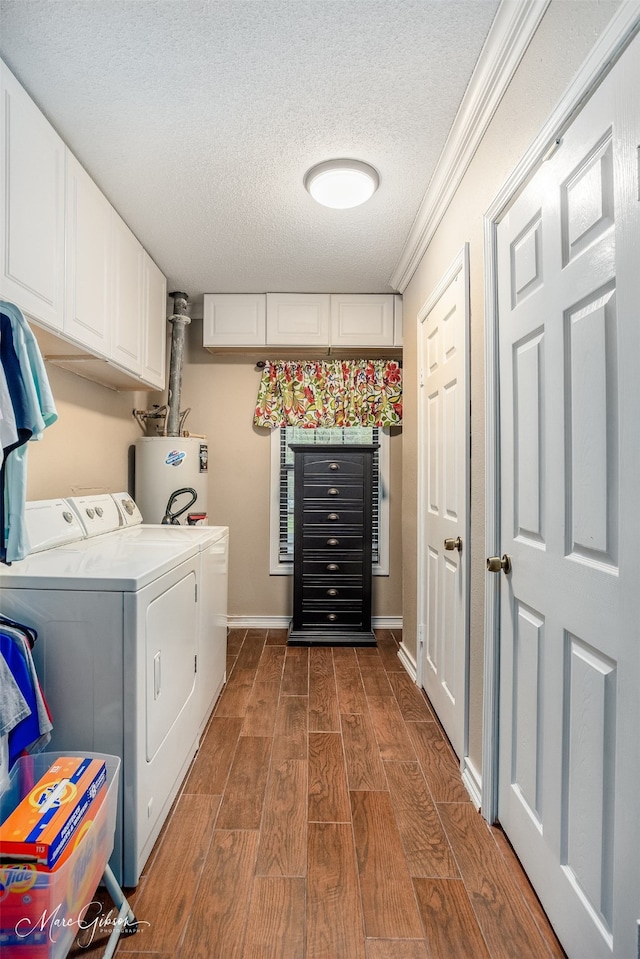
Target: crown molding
column 510, row 34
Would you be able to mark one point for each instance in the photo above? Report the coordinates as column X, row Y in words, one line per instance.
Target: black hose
column 170, row 518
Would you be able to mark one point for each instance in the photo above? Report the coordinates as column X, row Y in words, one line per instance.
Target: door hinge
column 196, row 591
column 421, row 635
column 195, row 663
column 552, row 149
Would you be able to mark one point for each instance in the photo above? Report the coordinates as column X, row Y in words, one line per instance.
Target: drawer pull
column 332, row 617
column 334, row 466
column 333, row 516
column 333, row 542
column 333, row 491
column 333, row 567
column 332, row 592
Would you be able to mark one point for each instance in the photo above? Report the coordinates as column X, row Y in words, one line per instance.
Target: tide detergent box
column 40, row 828
column 42, row 912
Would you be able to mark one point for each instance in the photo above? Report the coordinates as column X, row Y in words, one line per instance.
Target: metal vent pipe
column 179, row 322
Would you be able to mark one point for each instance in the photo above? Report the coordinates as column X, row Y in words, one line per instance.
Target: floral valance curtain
column 315, row 393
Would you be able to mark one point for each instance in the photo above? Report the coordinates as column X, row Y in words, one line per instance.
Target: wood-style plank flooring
column 324, row 817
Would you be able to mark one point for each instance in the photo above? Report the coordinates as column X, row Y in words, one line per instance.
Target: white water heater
column 163, row 466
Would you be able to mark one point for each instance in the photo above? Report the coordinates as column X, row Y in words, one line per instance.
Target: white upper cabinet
column 298, row 318
column 361, row 320
column 127, row 297
column 234, row 319
column 89, row 260
column 316, row 321
column 97, row 301
column 31, row 207
column 155, row 334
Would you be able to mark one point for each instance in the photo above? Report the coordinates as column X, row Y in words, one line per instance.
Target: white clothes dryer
column 117, row 626
column 213, row 547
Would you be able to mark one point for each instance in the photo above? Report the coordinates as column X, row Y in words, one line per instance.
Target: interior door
column 569, row 342
column 444, row 508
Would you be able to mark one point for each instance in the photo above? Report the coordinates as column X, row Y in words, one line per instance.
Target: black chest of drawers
column 332, row 545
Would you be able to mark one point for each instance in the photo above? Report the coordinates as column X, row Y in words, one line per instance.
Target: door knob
column 451, row 543
column 497, row 565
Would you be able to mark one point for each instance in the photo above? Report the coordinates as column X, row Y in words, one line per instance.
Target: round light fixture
column 342, row 183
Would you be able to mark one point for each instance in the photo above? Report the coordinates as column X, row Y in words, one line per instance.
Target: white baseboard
column 258, row 622
column 408, row 662
column 387, row 622
column 473, row 782
column 282, row 622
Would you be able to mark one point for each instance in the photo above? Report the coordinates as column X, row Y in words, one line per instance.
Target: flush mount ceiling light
column 341, row 183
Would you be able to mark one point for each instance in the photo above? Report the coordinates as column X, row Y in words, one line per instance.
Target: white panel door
column 569, row 341
column 444, row 484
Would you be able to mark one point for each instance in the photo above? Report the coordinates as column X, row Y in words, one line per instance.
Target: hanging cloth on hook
column 33, row 732
column 33, row 410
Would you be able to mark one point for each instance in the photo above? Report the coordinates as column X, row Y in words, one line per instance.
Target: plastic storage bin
column 41, row 912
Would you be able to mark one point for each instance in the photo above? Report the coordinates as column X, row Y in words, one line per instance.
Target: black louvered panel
column 285, row 538
column 376, row 498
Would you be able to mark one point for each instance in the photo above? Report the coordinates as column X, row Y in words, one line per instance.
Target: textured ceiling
column 198, row 120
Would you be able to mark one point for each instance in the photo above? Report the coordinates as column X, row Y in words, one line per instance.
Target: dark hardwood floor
column 324, row 817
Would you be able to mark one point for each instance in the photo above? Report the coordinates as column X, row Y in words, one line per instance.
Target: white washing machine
column 213, row 549
column 117, row 626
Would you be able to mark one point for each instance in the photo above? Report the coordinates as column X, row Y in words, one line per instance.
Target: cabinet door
column 31, row 207
column 155, row 334
column 234, row 319
column 127, row 304
column 298, row 319
column 88, row 261
column 361, row 319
